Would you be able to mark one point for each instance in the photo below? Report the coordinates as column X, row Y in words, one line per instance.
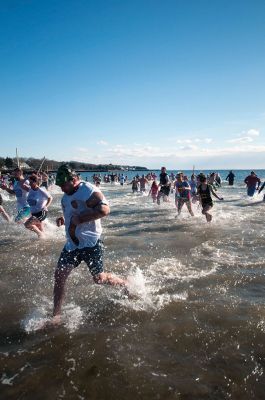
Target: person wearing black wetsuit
column 230, row 178
column 205, row 191
column 164, row 185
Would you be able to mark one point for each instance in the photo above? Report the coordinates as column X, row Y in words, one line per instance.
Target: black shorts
column 165, row 190
column 1, row 200
column 92, row 256
column 41, row 215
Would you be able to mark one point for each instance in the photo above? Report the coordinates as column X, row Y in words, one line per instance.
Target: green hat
column 64, row 174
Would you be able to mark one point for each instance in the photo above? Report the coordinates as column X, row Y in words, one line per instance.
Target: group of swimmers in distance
column 33, row 197
column 199, row 188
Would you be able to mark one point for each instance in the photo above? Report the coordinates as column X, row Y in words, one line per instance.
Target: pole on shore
column 18, row 164
column 41, row 165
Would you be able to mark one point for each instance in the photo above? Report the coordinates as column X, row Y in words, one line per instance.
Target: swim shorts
column 92, row 256
column 251, row 191
column 22, row 214
column 165, row 190
column 41, row 215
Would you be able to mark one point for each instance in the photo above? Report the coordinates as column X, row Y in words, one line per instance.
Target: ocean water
column 193, row 329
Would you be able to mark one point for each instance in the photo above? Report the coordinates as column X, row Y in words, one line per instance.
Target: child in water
column 154, row 191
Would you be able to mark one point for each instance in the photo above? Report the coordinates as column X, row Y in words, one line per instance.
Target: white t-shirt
column 87, row 233
column 21, row 194
column 37, row 199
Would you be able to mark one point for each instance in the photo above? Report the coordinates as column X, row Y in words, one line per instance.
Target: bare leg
column 158, row 197
column 180, row 205
column 189, row 208
column 4, row 213
column 35, row 226
column 60, row 277
column 205, row 211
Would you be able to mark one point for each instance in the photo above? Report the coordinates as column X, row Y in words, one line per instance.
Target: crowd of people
column 32, row 197
column 84, row 205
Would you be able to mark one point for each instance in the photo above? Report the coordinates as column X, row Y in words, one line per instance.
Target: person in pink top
column 154, row 191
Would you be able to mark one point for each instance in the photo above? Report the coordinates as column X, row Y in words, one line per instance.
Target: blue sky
column 176, row 83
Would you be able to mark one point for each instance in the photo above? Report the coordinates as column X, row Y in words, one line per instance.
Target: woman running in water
column 39, row 200
column 193, row 187
column 204, row 191
column 154, row 191
column 183, row 194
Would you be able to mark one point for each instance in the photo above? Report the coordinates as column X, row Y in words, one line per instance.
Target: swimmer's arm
column 49, row 201
column 97, row 209
column 214, row 194
column 25, row 186
column 262, row 187
column 7, row 189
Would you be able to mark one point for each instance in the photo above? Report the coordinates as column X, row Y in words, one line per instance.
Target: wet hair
column 17, row 170
column 35, row 178
column 202, row 177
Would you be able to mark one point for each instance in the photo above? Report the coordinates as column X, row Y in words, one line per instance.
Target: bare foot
column 53, row 322
column 56, row 320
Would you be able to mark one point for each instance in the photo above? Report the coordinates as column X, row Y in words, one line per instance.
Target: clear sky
column 140, row 82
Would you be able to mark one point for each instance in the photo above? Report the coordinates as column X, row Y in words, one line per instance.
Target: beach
column 195, row 328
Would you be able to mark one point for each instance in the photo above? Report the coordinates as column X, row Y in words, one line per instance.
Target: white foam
column 145, row 294
column 52, row 231
column 171, row 268
column 37, row 318
column 9, row 381
column 71, row 319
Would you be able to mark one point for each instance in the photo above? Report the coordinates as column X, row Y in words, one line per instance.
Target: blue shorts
column 251, row 190
column 92, row 256
column 23, row 213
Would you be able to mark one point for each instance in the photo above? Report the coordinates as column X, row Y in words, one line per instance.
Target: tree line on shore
column 8, row 163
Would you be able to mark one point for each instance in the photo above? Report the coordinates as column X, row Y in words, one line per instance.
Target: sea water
column 194, row 327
